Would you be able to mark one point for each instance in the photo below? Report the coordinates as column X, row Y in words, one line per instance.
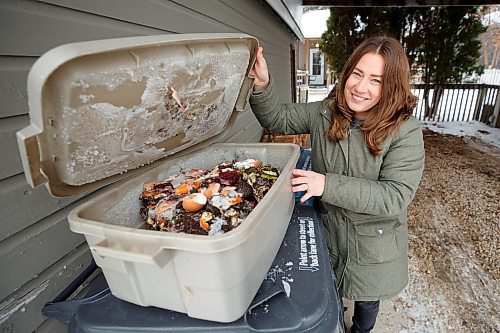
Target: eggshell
column 162, row 208
column 194, row 202
column 182, row 189
column 213, row 189
column 207, row 192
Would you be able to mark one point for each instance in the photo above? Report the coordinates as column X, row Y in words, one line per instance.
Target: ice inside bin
column 99, row 109
column 119, row 117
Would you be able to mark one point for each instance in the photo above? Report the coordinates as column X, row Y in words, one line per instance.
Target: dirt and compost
column 206, row 202
column 453, row 242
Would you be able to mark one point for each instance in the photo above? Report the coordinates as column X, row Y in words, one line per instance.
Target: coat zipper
column 341, row 282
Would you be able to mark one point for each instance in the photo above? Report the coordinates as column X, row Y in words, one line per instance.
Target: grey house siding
column 39, row 255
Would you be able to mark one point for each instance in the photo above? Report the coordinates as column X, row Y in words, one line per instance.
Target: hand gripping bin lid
column 152, row 107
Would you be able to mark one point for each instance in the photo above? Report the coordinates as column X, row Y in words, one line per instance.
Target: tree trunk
column 485, row 50
column 436, row 98
column 427, row 83
column 427, row 110
column 494, row 61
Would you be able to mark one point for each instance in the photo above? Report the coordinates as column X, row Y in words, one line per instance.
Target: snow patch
column 474, row 128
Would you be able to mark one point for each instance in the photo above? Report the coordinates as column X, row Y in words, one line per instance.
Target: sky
column 492, row 17
column 314, row 22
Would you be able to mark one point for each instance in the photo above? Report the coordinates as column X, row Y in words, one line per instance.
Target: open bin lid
column 104, row 110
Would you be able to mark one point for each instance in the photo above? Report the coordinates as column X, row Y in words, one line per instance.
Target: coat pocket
column 377, row 241
column 331, row 239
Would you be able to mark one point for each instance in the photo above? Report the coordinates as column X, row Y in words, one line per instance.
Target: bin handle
column 244, row 96
column 30, row 156
column 160, row 258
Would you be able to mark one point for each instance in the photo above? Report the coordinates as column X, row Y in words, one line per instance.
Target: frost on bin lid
column 101, row 108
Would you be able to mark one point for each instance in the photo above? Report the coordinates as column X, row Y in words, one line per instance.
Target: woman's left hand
column 311, row 182
column 260, row 72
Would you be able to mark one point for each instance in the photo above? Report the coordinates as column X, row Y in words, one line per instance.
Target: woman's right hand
column 259, row 72
column 311, row 182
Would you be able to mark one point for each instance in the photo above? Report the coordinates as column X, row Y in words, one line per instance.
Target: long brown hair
column 396, row 102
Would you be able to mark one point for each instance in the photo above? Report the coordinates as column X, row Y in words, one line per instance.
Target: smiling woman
column 367, row 161
column 363, row 88
column 381, row 62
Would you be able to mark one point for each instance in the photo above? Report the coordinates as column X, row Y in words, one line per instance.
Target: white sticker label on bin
column 308, row 255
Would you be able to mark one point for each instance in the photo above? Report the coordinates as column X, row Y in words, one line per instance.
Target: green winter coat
column 365, row 198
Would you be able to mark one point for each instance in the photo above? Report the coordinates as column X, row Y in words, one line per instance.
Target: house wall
column 303, row 59
column 39, row 255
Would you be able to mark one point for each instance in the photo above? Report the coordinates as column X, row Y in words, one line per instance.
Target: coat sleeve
column 398, row 180
column 288, row 118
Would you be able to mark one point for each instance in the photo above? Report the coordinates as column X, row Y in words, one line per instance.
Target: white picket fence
column 460, row 102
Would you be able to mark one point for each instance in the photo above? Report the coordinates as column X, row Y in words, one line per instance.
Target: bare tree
column 490, row 40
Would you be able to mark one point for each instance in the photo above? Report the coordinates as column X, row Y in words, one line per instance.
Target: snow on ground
column 466, row 128
column 317, row 94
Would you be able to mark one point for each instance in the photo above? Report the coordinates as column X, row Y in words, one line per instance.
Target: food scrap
column 207, row 202
column 173, row 94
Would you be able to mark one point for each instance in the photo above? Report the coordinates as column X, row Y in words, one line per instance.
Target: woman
column 367, row 161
